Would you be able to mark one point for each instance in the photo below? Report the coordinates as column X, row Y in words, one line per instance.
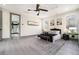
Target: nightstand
column 65, row 36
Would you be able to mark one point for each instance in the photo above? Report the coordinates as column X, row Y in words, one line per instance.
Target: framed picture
column 71, row 21
column 59, row 21
column 52, row 22
column 32, row 23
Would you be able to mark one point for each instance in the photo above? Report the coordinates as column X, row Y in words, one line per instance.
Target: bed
column 57, row 32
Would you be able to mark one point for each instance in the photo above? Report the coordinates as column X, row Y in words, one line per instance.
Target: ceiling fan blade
column 35, row 10
column 37, row 6
column 43, row 10
column 31, row 10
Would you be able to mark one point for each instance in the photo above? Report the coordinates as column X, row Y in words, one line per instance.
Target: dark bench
column 47, row 36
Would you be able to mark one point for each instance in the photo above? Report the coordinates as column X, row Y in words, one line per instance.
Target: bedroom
column 30, row 22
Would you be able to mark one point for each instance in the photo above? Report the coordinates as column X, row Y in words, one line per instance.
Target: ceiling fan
column 38, row 9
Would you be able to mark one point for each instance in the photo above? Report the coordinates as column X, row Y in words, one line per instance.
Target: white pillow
column 54, row 32
column 57, row 32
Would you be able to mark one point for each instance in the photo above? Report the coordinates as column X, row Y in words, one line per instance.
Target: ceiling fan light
column 29, row 10
column 37, row 13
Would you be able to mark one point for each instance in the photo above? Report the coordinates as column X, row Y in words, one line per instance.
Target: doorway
column 14, row 25
column 0, row 25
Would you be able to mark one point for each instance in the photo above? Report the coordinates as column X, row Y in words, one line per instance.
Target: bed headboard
column 56, row 29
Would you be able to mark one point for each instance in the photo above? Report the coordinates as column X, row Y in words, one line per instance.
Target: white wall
column 31, row 30
column 5, row 24
column 74, row 13
column 0, row 18
column 62, row 27
column 25, row 29
column 64, row 22
column 78, row 26
column 28, row 29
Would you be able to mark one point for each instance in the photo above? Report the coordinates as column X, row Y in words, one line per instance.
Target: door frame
column 1, row 24
column 19, row 23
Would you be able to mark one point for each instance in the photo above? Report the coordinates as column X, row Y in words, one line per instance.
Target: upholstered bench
column 47, row 37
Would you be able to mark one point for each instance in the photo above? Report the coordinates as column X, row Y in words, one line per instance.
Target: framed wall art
column 52, row 22
column 32, row 23
column 59, row 21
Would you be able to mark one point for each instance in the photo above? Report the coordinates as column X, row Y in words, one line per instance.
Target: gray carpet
column 29, row 46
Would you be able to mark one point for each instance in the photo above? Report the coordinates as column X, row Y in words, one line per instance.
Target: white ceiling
column 52, row 8
column 24, row 7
